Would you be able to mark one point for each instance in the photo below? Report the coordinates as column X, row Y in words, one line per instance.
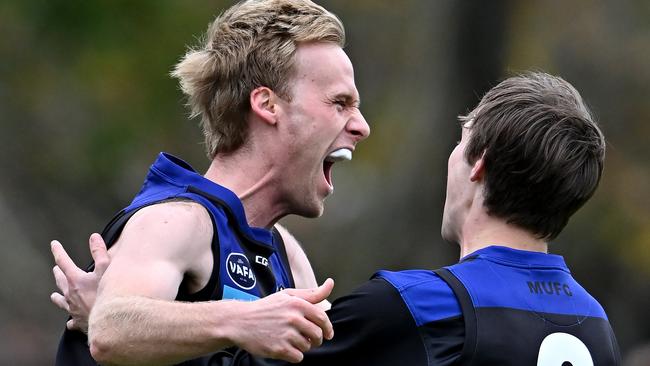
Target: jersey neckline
column 518, row 257
column 181, row 173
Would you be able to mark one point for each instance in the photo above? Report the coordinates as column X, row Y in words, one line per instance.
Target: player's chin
column 448, row 233
column 311, row 208
column 314, row 211
column 445, row 230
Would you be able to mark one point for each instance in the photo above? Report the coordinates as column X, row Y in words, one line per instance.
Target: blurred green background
column 86, row 103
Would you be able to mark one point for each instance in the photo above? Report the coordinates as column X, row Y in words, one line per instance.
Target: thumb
column 99, row 253
column 314, row 295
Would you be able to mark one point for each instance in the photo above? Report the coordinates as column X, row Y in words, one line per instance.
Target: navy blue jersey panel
column 443, row 340
column 73, row 350
column 514, row 337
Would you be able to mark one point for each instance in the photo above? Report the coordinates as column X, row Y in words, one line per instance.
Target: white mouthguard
column 339, row 155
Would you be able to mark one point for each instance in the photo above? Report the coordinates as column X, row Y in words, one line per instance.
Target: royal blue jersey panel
column 170, row 176
column 417, row 288
column 531, row 281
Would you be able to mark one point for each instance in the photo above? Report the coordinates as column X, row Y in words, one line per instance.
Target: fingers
column 62, row 259
column 300, row 343
column 70, row 324
column 318, row 317
column 60, row 279
column 314, row 295
column 292, row 355
column 324, row 290
column 291, row 350
column 303, row 336
column 99, row 253
column 316, row 324
column 313, row 313
column 312, row 334
column 74, row 324
column 59, row 301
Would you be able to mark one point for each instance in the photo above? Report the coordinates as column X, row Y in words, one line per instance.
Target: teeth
column 339, row 155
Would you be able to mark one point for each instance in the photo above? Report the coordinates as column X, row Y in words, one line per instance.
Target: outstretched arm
column 78, row 288
column 135, row 321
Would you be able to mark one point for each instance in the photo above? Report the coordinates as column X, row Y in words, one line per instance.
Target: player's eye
column 340, row 104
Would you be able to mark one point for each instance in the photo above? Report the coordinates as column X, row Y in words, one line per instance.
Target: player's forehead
column 326, row 66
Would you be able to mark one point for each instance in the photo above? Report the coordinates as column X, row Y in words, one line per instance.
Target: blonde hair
column 251, row 44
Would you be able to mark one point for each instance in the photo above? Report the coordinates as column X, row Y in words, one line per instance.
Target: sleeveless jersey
column 249, row 262
column 498, row 306
column 517, row 307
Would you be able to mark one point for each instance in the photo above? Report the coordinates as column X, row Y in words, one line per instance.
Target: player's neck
column 482, row 230
column 254, row 182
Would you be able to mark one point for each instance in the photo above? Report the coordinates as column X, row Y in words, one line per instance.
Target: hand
column 286, row 324
column 78, row 287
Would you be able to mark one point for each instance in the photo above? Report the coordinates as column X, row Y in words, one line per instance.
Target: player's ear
column 264, row 104
column 478, row 169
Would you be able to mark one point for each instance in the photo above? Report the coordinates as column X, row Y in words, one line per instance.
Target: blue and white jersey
column 249, row 262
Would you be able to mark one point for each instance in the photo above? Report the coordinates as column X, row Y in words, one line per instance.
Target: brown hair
column 542, row 150
column 251, row 44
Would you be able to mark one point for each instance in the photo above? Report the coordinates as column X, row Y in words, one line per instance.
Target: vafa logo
column 239, row 271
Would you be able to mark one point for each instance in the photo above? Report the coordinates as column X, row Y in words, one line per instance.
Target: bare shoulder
column 287, row 237
column 301, row 269
column 182, row 217
column 291, row 244
column 174, row 228
column 159, row 247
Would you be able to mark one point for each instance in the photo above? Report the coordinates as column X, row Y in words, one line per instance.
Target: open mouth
column 333, row 157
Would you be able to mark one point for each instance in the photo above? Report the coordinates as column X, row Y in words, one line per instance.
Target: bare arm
column 303, row 273
column 147, row 267
column 134, row 320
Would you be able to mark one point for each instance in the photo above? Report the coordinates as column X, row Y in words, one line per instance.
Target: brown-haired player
column 530, row 156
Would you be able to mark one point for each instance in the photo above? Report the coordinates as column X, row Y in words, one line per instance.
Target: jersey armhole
column 284, row 258
column 113, row 230
column 213, row 289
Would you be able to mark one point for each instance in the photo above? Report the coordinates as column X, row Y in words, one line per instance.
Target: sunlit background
column 86, row 103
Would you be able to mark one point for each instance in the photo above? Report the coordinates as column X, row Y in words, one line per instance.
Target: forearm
column 137, row 330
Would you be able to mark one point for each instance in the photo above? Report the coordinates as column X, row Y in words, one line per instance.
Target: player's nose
column 358, row 127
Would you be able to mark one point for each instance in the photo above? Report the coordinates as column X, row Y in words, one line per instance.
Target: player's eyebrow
column 349, row 99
